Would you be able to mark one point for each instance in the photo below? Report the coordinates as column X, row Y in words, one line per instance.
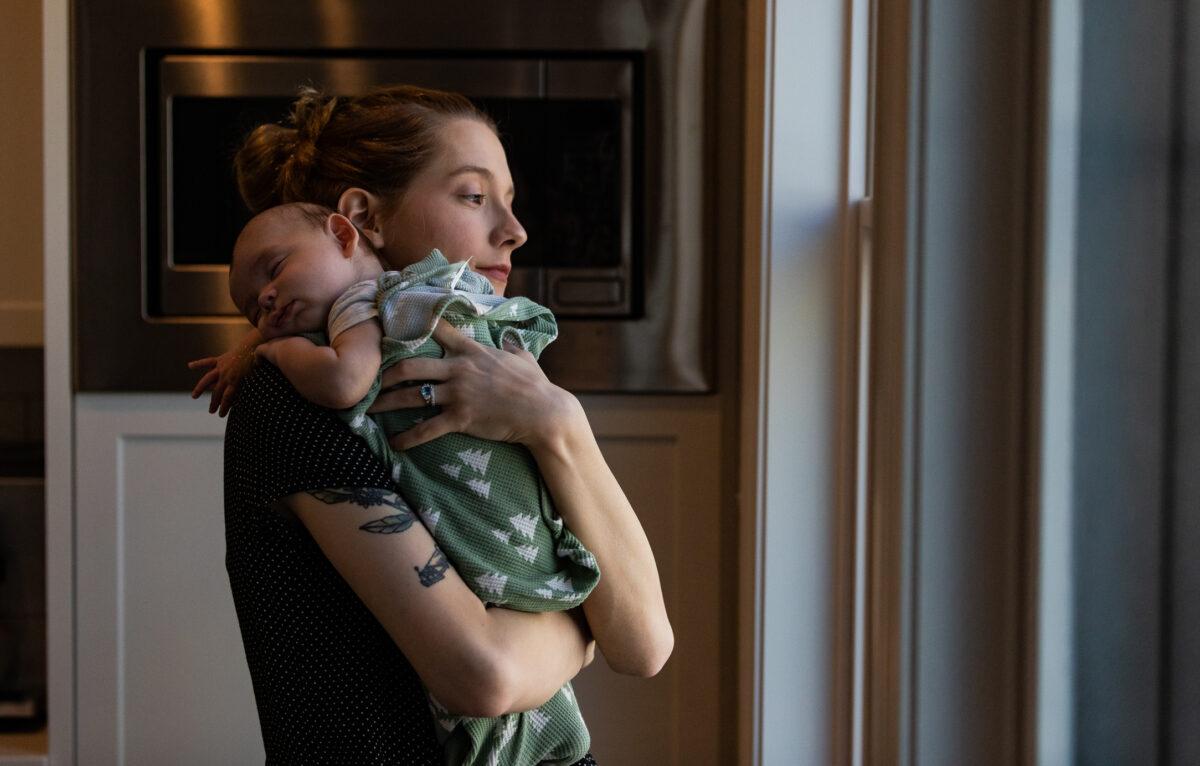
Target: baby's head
column 291, row 263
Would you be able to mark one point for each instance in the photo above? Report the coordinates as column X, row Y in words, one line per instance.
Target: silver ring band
column 427, row 394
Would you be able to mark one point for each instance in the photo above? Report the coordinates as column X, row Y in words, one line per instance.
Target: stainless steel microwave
column 600, row 109
column 567, row 125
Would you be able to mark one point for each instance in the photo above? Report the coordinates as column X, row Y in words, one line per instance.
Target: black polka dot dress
column 330, row 685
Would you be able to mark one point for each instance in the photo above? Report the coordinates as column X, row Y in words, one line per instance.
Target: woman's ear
column 362, row 207
column 344, row 232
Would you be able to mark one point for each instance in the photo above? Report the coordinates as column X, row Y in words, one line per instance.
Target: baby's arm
column 336, row 376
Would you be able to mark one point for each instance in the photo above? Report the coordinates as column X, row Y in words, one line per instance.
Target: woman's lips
column 494, row 273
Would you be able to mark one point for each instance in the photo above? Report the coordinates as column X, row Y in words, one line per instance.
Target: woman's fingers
column 397, row 399
column 439, row 425
column 208, row 361
column 416, row 368
column 449, row 337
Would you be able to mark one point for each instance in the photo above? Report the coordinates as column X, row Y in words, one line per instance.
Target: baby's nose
column 266, row 299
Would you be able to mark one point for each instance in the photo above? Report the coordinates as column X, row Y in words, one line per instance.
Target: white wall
column 21, row 173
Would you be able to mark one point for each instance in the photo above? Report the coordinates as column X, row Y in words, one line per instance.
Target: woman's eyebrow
column 473, row 169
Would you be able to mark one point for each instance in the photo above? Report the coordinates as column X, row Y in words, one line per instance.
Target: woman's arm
column 476, row 661
column 506, row 396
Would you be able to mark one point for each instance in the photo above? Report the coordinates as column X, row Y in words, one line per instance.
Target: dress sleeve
column 277, row 443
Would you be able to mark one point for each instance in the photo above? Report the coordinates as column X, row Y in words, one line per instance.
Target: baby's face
column 287, row 273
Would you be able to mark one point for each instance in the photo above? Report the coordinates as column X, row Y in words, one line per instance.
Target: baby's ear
column 344, row 232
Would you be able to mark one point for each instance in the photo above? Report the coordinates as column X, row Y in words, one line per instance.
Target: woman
column 413, row 169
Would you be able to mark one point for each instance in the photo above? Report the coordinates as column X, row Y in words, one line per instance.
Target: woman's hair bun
column 275, row 161
column 311, row 113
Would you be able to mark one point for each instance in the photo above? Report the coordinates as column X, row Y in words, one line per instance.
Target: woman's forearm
column 625, row 612
column 540, row 653
column 476, row 661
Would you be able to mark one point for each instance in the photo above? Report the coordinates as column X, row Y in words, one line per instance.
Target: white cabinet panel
column 162, row 677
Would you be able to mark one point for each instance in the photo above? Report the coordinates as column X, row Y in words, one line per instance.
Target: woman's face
column 461, row 204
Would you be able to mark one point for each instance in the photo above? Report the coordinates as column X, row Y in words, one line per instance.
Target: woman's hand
column 484, row 392
column 224, row 372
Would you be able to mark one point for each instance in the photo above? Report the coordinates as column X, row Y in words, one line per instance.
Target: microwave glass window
column 206, row 211
column 565, row 158
column 584, row 182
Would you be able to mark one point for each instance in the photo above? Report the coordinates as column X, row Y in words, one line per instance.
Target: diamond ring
column 427, row 394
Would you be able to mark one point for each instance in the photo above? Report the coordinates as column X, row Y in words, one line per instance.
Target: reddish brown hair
column 377, row 141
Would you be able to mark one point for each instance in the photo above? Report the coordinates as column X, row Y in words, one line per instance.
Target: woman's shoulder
column 277, row 443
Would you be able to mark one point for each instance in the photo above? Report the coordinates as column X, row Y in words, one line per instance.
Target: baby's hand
column 223, row 374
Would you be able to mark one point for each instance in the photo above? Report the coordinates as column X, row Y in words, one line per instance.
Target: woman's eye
column 475, row 199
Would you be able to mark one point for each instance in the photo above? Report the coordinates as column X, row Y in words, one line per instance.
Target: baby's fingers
column 214, row 401
column 227, row 400
column 210, row 377
column 438, row 425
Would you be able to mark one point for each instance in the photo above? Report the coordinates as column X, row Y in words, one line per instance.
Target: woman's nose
column 512, row 233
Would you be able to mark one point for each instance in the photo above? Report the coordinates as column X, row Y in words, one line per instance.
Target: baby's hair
column 316, row 215
column 309, row 212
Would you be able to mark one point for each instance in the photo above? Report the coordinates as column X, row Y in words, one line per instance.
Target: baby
column 301, row 270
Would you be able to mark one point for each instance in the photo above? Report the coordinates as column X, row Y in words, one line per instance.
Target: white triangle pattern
column 396, row 470
column 506, row 734
column 538, row 719
column 527, row 552
column 358, row 422
column 501, row 535
column 578, row 555
column 430, row 517
column 492, row 583
column 510, row 728
column 544, row 592
column 561, row 583
column 524, row 523
column 452, row 470
column 477, row 459
column 480, row 487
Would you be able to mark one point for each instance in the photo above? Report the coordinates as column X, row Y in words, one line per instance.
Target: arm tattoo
column 372, row 497
column 364, row 497
column 390, row 525
column 434, row 569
